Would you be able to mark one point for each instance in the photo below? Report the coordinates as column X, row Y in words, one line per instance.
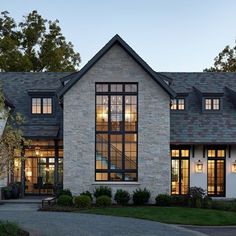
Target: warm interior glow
column 234, row 167
column 37, row 151
column 199, row 167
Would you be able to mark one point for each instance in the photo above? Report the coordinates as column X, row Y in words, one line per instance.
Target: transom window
column 179, row 170
column 216, row 171
column 41, row 105
column 177, row 104
column 116, row 131
column 212, row 104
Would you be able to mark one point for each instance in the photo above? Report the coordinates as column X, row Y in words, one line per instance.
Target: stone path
column 75, row 224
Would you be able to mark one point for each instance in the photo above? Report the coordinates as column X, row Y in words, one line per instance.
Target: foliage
column 122, row 197
column 34, row 44
column 223, row 205
column 163, row 200
column 103, row 201
column 179, row 200
column 12, row 140
column 65, row 200
column 87, row 193
column 82, row 201
column 101, row 191
column 196, row 196
column 141, row 196
column 64, row 192
column 225, row 61
column 9, row 229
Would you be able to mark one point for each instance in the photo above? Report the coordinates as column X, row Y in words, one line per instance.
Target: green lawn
column 173, row 215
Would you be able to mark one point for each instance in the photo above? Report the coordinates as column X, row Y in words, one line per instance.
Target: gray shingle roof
column 16, row 86
column 195, row 125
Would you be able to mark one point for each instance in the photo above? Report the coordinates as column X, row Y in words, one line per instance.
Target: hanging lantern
column 37, row 151
column 199, row 166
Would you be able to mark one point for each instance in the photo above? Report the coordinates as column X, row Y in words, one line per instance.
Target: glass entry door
column 39, row 175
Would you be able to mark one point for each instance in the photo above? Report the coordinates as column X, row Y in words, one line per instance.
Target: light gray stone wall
column 153, row 127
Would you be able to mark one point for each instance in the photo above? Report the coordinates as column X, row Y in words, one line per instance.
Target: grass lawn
column 11, row 229
column 173, row 215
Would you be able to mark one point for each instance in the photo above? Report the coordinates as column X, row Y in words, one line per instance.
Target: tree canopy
column 225, row 61
column 35, row 44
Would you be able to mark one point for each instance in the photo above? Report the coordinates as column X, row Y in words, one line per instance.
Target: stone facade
column 153, row 127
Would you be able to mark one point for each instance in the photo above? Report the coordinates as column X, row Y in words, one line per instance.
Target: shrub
column 64, row 192
column 163, row 200
column 196, row 196
column 82, row 201
column 141, row 196
column 179, row 200
column 87, row 193
column 7, row 228
column 207, row 202
column 122, row 197
column 102, row 191
column 103, row 201
column 65, row 200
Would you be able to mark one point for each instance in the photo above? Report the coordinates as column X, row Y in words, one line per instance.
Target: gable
column 115, row 40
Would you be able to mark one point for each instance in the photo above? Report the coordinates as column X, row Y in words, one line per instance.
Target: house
column 118, row 123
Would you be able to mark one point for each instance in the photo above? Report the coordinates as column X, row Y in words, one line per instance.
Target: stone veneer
column 153, row 127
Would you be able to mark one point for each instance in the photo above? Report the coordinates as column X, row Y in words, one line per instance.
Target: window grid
column 41, row 105
column 180, row 170
column 216, row 171
column 177, row 104
column 212, row 104
column 118, row 162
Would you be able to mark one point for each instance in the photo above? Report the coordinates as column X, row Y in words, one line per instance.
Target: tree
column 225, row 61
column 12, row 141
column 35, row 44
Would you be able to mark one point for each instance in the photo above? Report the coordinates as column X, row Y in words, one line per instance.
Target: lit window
column 177, row 104
column 212, row 104
column 41, row 106
column 180, row 170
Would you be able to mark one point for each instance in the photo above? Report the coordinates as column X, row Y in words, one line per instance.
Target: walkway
column 74, row 224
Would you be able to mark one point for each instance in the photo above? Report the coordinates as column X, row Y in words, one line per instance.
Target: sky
column 170, row 35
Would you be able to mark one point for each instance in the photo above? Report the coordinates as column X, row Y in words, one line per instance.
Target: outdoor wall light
column 234, row 167
column 37, row 151
column 199, row 166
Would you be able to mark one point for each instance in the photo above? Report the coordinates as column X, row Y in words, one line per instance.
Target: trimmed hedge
column 163, row 200
column 64, row 192
column 82, row 201
column 103, row 201
column 65, row 200
column 87, row 193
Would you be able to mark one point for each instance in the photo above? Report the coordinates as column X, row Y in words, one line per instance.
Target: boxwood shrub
column 82, row 201
column 87, row 193
column 163, row 200
column 64, row 192
column 65, row 200
column 141, row 196
column 103, row 201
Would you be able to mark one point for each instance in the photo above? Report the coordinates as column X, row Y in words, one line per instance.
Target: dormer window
column 212, row 104
column 41, row 105
column 177, row 104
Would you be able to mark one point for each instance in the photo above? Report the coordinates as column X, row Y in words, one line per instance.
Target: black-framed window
column 216, row 171
column 177, row 104
column 180, row 170
column 41, row 105
column 116, row 132
column 212, row 104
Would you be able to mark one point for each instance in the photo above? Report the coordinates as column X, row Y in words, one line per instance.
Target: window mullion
column 123, row 135
column 109, row 136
